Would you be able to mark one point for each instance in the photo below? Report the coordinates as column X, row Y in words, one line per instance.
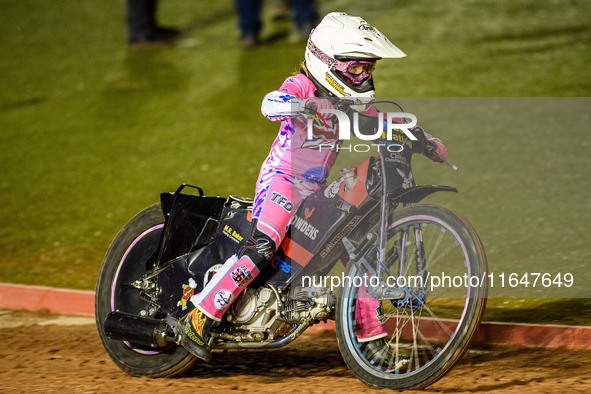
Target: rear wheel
column 125, row 262
column 430, row 329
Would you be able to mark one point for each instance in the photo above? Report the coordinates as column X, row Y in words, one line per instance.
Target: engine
column 311, row 303
column 264, row 313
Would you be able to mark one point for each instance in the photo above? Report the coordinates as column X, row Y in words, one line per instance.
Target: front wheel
column 436, row 256
column 125, row 262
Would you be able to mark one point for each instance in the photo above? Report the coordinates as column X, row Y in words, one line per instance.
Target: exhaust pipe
column 145, row 331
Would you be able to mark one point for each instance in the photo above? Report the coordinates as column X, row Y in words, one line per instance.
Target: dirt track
column 50, row 353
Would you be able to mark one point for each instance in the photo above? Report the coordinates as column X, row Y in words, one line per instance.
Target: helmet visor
column 356, row 71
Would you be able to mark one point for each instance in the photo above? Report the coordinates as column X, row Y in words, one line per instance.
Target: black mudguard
column 416, row 194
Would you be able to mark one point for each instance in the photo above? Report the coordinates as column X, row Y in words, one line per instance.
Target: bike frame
column 391, row 197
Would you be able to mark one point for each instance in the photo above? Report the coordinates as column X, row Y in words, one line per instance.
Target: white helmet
column 339, row 42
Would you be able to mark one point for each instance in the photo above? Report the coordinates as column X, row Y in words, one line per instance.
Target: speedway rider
column 340, row 57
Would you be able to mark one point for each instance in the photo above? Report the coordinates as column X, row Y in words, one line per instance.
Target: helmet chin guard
column 339, row 39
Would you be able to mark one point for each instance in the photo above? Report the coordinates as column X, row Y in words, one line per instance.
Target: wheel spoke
column 425, row 325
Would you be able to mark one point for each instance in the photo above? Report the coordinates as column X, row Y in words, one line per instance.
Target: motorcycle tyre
column 168, row 362
column 444, row 363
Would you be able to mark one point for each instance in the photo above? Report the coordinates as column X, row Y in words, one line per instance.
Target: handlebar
column 449, row 163
column 310, row 108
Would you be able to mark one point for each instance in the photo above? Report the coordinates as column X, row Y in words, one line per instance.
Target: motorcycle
column 367, row 225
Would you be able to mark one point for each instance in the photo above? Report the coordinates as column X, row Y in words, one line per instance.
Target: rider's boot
column 369, row 317
column 194, row 333
column 371, row 330
column 212, row 303
column 219, row 293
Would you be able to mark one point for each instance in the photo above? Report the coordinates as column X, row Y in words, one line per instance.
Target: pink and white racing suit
column 294, row 169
